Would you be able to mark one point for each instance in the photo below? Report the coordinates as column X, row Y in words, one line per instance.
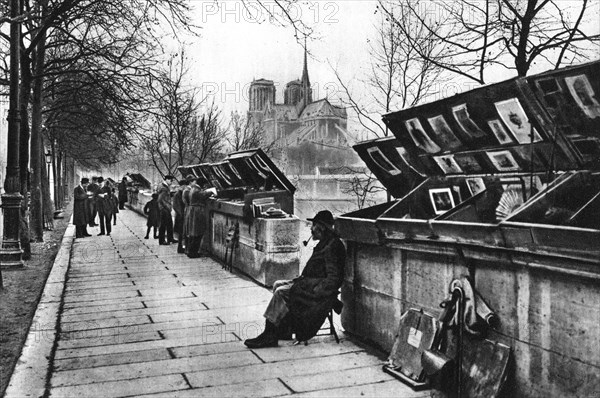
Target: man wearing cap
column 165, row 206
column 80, row 209
column 304, row 302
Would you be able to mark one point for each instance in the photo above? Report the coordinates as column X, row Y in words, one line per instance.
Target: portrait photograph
column 443, row 133
column 475, row 185
column 513, row 115
column 503, row 161
column 448, row 164
column 461, row 114
column 468, row 163
column 583, row 94
column 441, row 200
column 419, row 137
column 500, row 132
column 382, row 161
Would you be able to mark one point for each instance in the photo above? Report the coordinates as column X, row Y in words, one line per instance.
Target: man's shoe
column 180, row 251
column 101, row 233
column 174, row 241
column 262, row 342
column 86, row 235
column 163, row 243
column 146, row 237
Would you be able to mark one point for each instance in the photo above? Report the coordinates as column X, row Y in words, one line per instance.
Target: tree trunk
column 37, row 151
column 24, row 155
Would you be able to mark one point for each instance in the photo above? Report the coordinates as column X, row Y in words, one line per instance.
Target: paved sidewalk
column 122, row 316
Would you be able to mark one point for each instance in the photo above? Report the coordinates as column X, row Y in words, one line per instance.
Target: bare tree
column 399, row 76
column 509, row 34
column 184, row 128
column 361, row 184
column 244, row 134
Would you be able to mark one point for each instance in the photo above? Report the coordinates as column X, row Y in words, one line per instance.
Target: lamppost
column 10, row 252
column 48, row 156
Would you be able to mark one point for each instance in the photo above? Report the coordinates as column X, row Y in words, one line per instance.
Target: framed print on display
column 382, row 161
column 500, row 132
column 468, row 163
column 419, row 137
column 475, row 185
column 503, row 161
column 513, row 115
column 580, row 88
column 448, row 164
column 441, row 200
column 461, row 114
column 443, row 133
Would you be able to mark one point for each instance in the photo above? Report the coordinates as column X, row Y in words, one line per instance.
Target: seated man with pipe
column 302, row 304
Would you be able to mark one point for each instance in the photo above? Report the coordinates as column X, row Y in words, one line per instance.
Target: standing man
column 179, row 208
column 185, row 198
column 122, row 193
column 165, row 207
column 104, row 204
column 80, row 209
column 304, row 302
column 94, row 188
column 197, row 219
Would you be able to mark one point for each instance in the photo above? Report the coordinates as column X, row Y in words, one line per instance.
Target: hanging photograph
column 503, row 161
column 382, row 161
column 461, row 114
column 419, row 137
column 583, row 93
column 443, row 134
column 475, row 185
column 468, row 163
column 441, row 200
column 500, row 132
column 448, row 164
column 513, row 115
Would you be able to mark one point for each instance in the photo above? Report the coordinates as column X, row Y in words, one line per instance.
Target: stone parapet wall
column 548, row 306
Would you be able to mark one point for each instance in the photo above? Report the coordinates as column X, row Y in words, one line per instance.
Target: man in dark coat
column 80, row 209
column 165, row 206
column 305, row 301
column 179, row 208
column 105, row 205
column 196, row 220
column 94, row 188
column 122, row 193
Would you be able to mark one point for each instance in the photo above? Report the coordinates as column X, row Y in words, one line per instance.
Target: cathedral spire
column 306, row 90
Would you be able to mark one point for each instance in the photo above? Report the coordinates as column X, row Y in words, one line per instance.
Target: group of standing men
column 189, row 203
column 96, row 198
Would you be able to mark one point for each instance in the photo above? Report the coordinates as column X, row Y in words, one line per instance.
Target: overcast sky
column 234, row 48
column 238, row 45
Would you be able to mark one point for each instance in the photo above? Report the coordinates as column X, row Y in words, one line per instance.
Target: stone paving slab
column 128, row 317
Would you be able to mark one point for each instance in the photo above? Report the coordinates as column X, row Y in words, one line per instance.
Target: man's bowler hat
column 323, row 217
column 85, row 180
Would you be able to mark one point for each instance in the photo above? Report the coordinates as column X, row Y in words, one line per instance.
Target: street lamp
column 48, row 156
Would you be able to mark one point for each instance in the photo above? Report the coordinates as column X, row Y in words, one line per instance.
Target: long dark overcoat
column 196, row 220
column 80, row 206
column 105, row 204
column 153, row 213
column 315, row 291
column 179, row 208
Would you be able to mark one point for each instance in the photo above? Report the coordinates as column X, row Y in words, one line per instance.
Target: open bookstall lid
column 391, row 164
column 139, row 179
column 249, row 168
column 540, row 123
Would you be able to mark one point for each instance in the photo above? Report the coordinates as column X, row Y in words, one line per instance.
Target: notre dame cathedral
column 306, row 137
